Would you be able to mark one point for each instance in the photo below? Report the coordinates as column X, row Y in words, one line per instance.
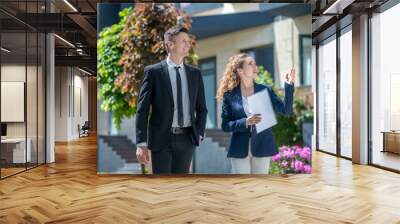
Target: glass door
column 346, row 92
column 327, row 127
column 385, row 89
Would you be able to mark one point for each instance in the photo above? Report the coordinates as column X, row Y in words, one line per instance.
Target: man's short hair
column 173, row 32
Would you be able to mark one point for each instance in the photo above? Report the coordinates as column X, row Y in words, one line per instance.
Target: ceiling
column 74, row 22
column 330, row 15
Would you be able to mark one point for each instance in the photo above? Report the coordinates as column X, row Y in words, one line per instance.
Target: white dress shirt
column 185, row 93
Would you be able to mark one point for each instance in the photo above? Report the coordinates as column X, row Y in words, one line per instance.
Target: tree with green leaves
column 109, row 51
column 140, row 43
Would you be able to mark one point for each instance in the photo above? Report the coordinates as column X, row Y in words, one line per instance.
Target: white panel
column 394, row 102
column 77, row 102
column 395, row 125
column 12, row 101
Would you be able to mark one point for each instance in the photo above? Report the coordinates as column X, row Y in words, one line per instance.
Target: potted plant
column 306, row 119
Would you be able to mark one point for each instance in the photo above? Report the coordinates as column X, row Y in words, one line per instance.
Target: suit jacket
column 156, row 92
column 234, row 120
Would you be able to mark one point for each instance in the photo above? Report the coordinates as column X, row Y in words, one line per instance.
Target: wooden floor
column 10, row 171
column 5, row 172
column 70, row 191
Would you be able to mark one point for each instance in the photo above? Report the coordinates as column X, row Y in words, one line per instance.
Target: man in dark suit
column 175, row 93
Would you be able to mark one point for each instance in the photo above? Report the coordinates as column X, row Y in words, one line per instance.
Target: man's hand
column 201, row 138
column 142, row 153
column 290, row 76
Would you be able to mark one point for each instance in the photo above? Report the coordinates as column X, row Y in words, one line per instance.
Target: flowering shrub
column 142, row 41
column 291, row 160
column 126, row 48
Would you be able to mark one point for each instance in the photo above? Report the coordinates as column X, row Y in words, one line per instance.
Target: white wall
column 128, row 128
column 79, row 117
column 61, row 103
column 13, row 72
column 70, row 83
column 286, row 48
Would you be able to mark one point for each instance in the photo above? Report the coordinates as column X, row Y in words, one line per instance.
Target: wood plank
column 70, row 191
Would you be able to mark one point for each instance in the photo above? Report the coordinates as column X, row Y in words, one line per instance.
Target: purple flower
column 296, row 147
column 288, row 153
column 298, row 150
column 294, row 159
column 276, row 157
column 298, row 165
column 305, row 154
column 307, row 168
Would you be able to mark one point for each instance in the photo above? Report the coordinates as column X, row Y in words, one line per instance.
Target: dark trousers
column 175, row 158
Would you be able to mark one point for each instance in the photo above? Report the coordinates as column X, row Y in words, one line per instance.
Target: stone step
column 220, row 137
column 218, row 134
column 122, row 146
column 113, row 138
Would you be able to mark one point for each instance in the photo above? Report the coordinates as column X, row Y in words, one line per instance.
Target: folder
column 260, row 103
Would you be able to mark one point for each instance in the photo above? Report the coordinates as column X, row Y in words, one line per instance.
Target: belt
column 180, row 130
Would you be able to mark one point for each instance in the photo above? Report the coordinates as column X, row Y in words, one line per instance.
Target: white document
column 260, row 103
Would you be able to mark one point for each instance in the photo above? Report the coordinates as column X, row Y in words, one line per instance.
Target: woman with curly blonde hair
column 249, row 152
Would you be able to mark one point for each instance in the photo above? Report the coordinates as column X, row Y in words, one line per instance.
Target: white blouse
column 246, row 106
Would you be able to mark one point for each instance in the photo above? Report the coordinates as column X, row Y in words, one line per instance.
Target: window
column 305, row 60
column 264, row 56
column 346, row 93
column 385, row 88
column 327, row 96
column 22, row 75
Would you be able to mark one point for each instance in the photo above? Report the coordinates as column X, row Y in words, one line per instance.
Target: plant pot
column 307, row 133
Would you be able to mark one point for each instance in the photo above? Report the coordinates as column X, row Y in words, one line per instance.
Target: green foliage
column 109, row 51
column 264, row 77
column 274, row 169
column 306, row 116
column 143, row 43
column 287, row 131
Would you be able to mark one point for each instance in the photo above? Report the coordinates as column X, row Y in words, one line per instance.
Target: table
column 16, row 147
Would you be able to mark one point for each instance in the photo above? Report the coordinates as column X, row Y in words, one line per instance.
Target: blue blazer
column 234, row 120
